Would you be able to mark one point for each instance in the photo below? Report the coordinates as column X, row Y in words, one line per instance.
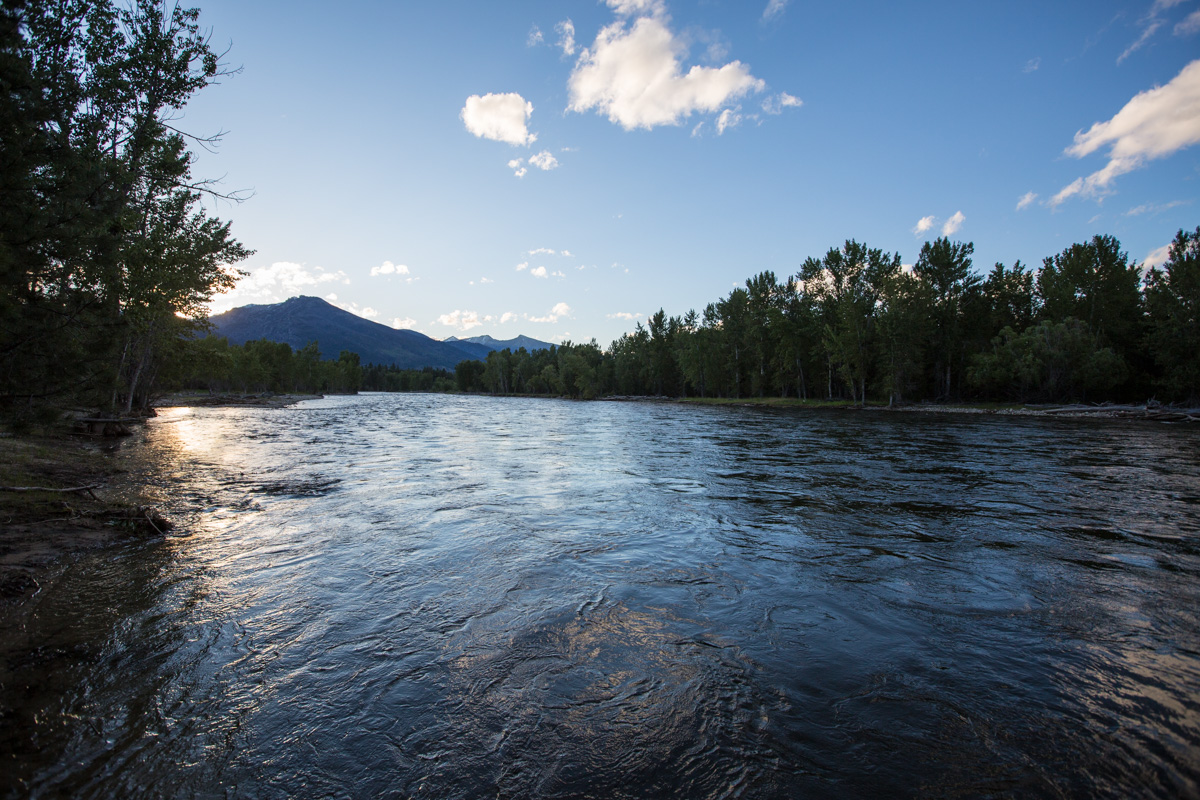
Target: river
column 461, row 597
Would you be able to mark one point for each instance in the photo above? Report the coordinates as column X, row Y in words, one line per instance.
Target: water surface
column 458, row 597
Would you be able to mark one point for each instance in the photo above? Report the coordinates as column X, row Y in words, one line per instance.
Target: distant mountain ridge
column 514, row 344
column 300, row 320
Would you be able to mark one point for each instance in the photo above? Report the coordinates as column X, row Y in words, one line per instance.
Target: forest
column 856, row 325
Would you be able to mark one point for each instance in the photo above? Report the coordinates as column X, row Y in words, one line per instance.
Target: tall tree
column 946, row 267
column 1173, row 305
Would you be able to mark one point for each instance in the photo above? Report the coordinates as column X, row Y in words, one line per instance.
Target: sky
column 563, row 169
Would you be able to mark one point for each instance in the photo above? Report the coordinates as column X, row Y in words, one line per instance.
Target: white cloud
column 543, row 160
column 276, row 283
column 535, row 37
column 775, row 104
column 625, row 315
column 1189, row 25
column 538, row 272
column 633, row 75
column 1154, row 124
column 1147, row 32
column 1026, row 200
column 507, row 317
column 630, row 8
column 501, row 117
column 522, row 265
column 368, row 313
column 696, row 130
column 558, row 273
column 388, row 268
column 774, row 9
column 953, row 224
column 559, row 310
column 566, row 254
column 729, row 119
column 515, row 166
column 486, row 280
column 462, row 320
column 542, row 251
column 566, row 37
column 403, row 322
column 1032, row 65
column 1154, row 208
column 924, row 224
column 1157, row 257
column 331, row 297
column 1150, row 25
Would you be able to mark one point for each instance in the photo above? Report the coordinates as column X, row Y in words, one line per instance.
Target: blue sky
column 562, row 169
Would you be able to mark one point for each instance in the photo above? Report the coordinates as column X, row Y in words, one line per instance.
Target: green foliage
column 210, row 363
column 1173, row 303
column 1052, row 361
column 106, row 256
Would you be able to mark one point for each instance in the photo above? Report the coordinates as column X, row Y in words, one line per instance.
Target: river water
column 460, row 597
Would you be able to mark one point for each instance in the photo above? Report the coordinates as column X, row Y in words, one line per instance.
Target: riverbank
column 264, row 399
column 1149, row 411
column 61, row 496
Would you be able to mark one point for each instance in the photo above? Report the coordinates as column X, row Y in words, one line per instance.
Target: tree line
column 108, row 258
column 857, row 325
column 213, row 365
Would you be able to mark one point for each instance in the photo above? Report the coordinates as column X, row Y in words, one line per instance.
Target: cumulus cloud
column 516, row 166
column 543, row 160
column 632, row 74
column 462, row 320
column 507, row 317
column 501, row 117
column 539, row 272
column 522, row 265
column 1026, row 200
column 774, row 9
column 566, row 37
column 625, row 315
column 729, row 119
column 276, row 283
column 560, row 310
column 388, row 268
column 403, row 322
column 1155, row 124
column 369, row 313
column 923, row 224
column 776, row 103
column 566, row 254
column 952, row 225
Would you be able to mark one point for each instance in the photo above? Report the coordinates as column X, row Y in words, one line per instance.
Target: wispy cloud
column 774, row 9
column 632, row 73
column 1032, row 65
column 951, row 226
column 566, row 37
column 535, row 37
column 1189, row 25
column 625, row 315
column 776, row 103
column 1157, row 257
column 1150, row 24
column 1154, row 208
column 924, row 224
column 729, row 119
column 500, row 117
column 1154, row 124
column 1026, row 200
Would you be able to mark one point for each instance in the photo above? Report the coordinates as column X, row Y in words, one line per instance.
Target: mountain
column 516, row 344
column 300, row 320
